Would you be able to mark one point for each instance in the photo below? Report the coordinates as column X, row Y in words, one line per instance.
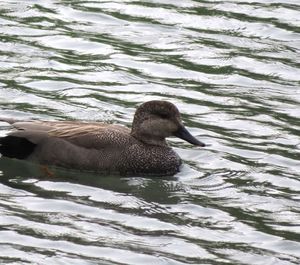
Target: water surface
column 231, row 67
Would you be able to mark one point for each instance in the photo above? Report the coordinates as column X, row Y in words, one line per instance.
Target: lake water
column 231, row 67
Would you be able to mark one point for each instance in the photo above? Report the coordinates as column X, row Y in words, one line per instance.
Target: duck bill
column 184, row 134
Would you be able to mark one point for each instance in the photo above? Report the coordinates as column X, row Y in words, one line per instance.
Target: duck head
column 155, row 120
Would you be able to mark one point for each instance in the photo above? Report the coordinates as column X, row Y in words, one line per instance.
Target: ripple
column 232, row 68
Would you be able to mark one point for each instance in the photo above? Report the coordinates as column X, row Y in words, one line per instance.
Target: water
column 231, row 67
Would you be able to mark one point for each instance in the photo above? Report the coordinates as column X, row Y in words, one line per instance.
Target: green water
column 232, row 69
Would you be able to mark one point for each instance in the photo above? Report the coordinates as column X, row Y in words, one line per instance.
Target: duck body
column 101, row 147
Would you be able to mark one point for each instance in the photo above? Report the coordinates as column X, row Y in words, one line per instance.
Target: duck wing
column 93, row 135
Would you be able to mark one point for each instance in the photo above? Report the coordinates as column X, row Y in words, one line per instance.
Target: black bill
column 184, row 134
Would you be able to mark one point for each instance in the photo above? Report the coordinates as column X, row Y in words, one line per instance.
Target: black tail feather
column 16, row 147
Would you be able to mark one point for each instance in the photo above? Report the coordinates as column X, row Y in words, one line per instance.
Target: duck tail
column 8, row 120
column 16, row 147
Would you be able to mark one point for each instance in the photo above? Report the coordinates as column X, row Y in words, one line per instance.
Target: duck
column 102, row 147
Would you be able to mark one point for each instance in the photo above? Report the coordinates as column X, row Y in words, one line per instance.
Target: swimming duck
column 101, row 147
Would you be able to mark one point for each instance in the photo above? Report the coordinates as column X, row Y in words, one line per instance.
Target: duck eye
column 164, row 115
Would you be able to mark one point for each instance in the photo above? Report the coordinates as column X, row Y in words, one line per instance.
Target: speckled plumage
column 103, row 147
